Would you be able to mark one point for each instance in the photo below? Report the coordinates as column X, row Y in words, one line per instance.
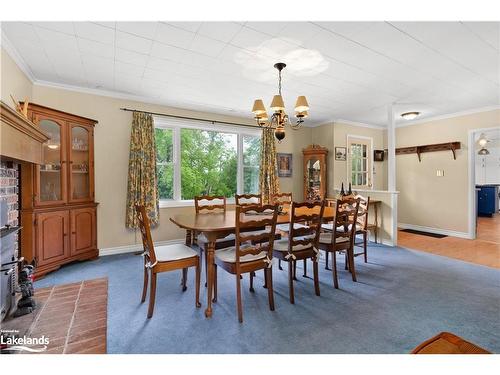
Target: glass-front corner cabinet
column 315, row 171
column 58, row 195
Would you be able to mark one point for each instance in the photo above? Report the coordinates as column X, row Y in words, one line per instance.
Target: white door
column 360, row 161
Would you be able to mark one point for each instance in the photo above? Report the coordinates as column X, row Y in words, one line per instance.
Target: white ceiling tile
column 173, row 36
column 110, row 25
column 133, row 43
column 131, row 57
column 167, row 52
column 270, row 28
column 222, row 31
column 249, row 38
column 206, row 46
column 299, row 32
column 89, row 47
column 62, row 27
column 128, row 69
column 189, row 26
column 94, row 32
column 143, row 29
column 19, row 31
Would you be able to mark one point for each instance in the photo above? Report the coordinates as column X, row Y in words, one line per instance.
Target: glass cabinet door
column 80, row 159
column 51, row 176
column 313, row 179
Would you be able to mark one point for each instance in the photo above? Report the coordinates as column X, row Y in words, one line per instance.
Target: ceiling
column 347, row 70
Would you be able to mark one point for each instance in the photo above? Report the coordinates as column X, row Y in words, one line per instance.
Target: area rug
column 71, row 319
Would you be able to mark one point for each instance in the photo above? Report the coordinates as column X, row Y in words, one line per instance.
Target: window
column 360, row 161
column 194, row 158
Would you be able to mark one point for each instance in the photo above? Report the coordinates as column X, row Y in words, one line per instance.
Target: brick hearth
column 73, row 317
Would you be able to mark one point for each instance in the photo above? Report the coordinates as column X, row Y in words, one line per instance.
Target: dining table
column 219, row 225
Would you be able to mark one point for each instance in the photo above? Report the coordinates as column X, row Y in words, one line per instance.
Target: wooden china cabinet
column 315, row 157
column 58, row 210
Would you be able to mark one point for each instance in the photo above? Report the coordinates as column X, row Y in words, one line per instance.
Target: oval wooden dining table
column 219, row 225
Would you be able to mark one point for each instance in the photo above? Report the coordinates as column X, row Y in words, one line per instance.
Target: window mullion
column 239, row 172
column 177, row 163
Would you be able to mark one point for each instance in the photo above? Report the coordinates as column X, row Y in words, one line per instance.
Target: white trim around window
column 349, row 137
column 176, row 125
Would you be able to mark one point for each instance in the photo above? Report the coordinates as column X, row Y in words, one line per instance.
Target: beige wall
column 294, row 142
column 13, row 81
column 335, row 135
column 427, row 200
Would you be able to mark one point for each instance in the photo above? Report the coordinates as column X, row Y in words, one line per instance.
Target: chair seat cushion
column 202, row 238
column 286, row 227
column 168, row 253
column 340, row 228
column 282, row 245
column 228, row 255
column 326, row 238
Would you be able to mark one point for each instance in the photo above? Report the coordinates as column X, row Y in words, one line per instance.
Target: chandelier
column 279, row 118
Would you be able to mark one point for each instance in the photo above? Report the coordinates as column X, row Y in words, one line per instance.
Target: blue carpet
column 402, row 298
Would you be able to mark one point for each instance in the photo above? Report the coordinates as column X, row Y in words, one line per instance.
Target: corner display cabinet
column 315, row 168
column 58, row 210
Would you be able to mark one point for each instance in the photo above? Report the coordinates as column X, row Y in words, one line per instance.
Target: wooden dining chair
column 342, row 238
column 301, row 242
column 164, row 258
column 253, row 250
column 207, row 204
column 285, row 201
column 248, row 199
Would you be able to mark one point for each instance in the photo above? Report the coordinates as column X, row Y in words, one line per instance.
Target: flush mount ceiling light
column 410, row 115
column 279, row 118
column 483, row 151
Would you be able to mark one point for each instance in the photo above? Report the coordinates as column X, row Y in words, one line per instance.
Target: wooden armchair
column 342, row 237
column 253, row 250
column 206, row 204
column 164, row 258
column 301, row 242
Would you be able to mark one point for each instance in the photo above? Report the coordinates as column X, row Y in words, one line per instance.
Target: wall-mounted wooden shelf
column 449, row 146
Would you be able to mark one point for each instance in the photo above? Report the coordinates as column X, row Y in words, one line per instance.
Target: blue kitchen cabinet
column 487, row 200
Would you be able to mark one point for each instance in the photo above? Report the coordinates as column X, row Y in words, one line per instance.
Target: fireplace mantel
column 20, row 139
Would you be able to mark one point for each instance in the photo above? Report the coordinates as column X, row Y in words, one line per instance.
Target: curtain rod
column 191, row 118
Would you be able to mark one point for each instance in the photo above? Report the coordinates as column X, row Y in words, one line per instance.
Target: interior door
column 52, row 236
column 83, row 236
column 360, row 161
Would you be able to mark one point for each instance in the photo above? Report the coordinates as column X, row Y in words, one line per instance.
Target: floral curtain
column 268, row 179
column 142, row 183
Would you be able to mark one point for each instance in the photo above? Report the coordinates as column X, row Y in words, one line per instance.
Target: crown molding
column 359, row 124
column 18, row 60
column 449, row 115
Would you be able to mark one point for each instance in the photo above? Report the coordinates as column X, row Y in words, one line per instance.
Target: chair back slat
column 258, row 218
column 364, row 204
column 248, row 200
column 209, row 203
column 346, row 215
column 312, row 214
column 282, row 199
column 147, row 241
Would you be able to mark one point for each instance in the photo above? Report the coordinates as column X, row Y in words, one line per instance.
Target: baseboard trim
column 444, row 232
column 134, row 248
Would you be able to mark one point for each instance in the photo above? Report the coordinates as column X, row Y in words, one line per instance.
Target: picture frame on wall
column 284, row 164
column 341, row 153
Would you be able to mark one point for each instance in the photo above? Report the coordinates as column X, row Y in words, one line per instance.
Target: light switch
column 440, row 172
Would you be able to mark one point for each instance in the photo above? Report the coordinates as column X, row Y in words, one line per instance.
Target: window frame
column 176, row 125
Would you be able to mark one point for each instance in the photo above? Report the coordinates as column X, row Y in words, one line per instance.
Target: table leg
column 210, row 249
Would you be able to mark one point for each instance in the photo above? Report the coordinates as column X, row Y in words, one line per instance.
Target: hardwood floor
column 484, row 250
